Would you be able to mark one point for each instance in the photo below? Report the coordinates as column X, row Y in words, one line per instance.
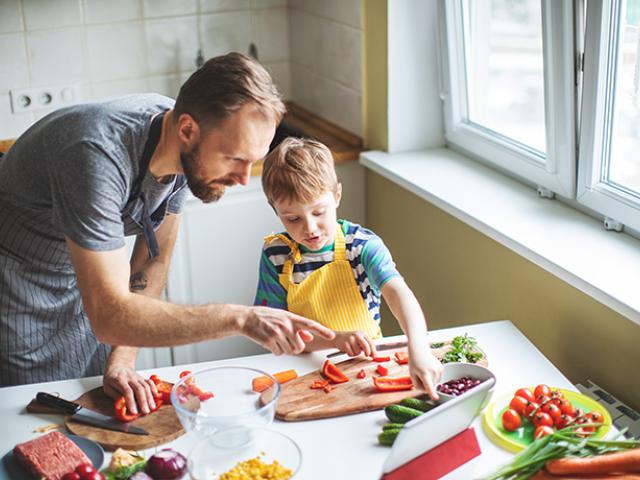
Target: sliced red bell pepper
column 392, row 384
column 402, row 358
column 361, row 374
column 318, row 384
column 381, row 359
column 122, row 413
column 333, row 373
column 164, row 388
column 382, row 370
column 195, row 389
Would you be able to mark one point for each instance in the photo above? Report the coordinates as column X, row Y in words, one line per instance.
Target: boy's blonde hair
column 298, row 169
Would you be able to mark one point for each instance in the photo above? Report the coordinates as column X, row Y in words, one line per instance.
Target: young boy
column 333, row 271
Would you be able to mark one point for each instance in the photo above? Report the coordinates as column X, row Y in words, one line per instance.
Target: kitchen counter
column 349, row 442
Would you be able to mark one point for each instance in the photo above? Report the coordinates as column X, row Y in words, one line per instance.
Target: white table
column 347, row 445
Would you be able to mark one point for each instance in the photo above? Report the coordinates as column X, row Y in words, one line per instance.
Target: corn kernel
column 256, row 469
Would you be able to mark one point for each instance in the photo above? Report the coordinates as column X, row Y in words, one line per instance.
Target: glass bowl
column 234, row 403
column 455, row 370
column 224, row 450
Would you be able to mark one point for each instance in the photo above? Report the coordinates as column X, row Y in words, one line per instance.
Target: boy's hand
column 354, row 343
column 280, row 331
column 425, row 370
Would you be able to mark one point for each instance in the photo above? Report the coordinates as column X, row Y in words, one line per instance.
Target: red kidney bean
column 458, row 386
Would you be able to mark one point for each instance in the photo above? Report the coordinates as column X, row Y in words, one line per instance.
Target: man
column 82, row 178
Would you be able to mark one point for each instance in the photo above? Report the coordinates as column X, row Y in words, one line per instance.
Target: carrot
column 543, row 475
column 260, row 384
column 618, row 462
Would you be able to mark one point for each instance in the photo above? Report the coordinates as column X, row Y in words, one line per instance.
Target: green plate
column 523, row 436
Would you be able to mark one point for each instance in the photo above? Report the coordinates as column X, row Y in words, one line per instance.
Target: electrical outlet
column 27, row 100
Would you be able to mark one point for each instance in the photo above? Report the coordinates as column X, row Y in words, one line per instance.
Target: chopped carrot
column 619, row 462
column 260, row 384
column 319, row 384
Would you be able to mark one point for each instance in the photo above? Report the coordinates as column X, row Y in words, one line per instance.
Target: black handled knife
column 84, row 415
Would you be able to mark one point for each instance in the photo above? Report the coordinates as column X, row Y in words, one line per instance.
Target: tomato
column 542, row 389
column 530, row 408
column 564, row 420
column 95, row 475
column 553, row 410
column 584, row 431
column 542, row 431
column 567, row 408
column 525, row 393
column 85, row 469
column 542, row 419
column 511, row 420
column 71, row 476
column 595, row 417
column 518, row 404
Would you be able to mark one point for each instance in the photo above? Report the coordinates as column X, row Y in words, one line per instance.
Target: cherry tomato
column 85, row 469
column 530, row 408
column 542, row 431
column 518, row 404
column 584, row 431
column 595, row 417
column 541, row 419
column 525, row 393
column 564, row 420
column 567, row 408
column 71, row 476
column 542, row 389
column 553, row 410
column 511, row 420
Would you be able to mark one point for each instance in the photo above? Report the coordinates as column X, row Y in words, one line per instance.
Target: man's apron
column 330, row 294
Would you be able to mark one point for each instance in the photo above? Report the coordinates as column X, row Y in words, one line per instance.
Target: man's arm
column 148, row 277
column 121, row 317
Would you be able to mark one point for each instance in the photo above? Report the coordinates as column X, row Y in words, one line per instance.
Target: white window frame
column 596, row 120
column 558, row 172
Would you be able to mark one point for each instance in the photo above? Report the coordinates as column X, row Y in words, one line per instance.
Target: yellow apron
column 330, row 294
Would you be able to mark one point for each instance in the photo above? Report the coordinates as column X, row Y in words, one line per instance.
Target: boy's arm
column 270, row 293
column 425, row 368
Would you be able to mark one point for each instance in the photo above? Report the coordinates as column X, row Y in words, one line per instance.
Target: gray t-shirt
column 71, row 174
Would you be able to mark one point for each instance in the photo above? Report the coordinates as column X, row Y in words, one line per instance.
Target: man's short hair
column 223, row 85
column 298, row 169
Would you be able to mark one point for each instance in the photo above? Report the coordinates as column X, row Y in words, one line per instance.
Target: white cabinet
column 217, row 255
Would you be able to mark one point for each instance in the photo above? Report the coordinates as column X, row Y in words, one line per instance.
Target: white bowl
column 220, row 452
column 234, row 402
column 454, row 371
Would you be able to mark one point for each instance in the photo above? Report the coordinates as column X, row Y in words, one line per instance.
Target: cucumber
column 392, row 426
column 417, row 404
column 387, row 437
column 401, row 414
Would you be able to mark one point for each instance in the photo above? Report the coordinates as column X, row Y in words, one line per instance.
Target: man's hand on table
column 281, row 331
column 122, row 380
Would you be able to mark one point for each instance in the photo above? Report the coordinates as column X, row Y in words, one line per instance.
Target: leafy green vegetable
column 462, row 350
column 560, row 444
column 437, row 344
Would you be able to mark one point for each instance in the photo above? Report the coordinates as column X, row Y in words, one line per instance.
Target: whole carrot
column 543, row 475
column 618, row 462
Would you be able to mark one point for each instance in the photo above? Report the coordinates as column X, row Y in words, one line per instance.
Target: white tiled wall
column 111, row 47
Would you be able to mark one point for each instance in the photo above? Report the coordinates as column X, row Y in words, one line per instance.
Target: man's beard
column 206, row 191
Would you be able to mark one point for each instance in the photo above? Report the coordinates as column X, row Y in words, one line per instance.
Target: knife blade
column 84, row 415
column 379, row 348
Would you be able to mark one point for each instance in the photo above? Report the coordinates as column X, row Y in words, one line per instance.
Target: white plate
column 10, row 468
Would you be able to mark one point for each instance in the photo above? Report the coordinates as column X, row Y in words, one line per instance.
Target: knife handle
column 59, row 403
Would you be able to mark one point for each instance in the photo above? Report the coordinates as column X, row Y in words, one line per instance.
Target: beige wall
column 460, row 276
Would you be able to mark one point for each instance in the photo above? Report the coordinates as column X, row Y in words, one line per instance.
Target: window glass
column 504, row 68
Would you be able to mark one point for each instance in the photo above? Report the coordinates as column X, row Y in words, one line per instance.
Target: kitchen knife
column 379, row 348
column 84, row 415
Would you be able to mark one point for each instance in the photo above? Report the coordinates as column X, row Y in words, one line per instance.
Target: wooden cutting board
column 163, row 424
column 299, row 402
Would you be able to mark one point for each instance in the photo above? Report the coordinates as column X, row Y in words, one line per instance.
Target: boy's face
column 314, row 224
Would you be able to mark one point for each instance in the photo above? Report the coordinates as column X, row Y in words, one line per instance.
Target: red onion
column 140, row 476
column 166, row 464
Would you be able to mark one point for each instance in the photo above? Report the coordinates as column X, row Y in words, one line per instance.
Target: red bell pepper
column 361, row 374
column 381, row 359
column 382, row 370
column 164, row 388
column 392, row 384
column 122, row 413
column 333, row 373
column 195, row 389
column 402, row 358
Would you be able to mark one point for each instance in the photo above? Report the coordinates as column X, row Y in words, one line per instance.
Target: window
column 511, row 87
column 609, row 159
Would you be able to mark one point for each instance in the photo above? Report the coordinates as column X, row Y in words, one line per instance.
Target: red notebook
column 440, row 460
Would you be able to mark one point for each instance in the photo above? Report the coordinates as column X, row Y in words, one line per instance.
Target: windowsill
column 567, row 243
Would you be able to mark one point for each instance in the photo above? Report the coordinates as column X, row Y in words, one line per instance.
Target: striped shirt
column 370, row 261
column 70, row 175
